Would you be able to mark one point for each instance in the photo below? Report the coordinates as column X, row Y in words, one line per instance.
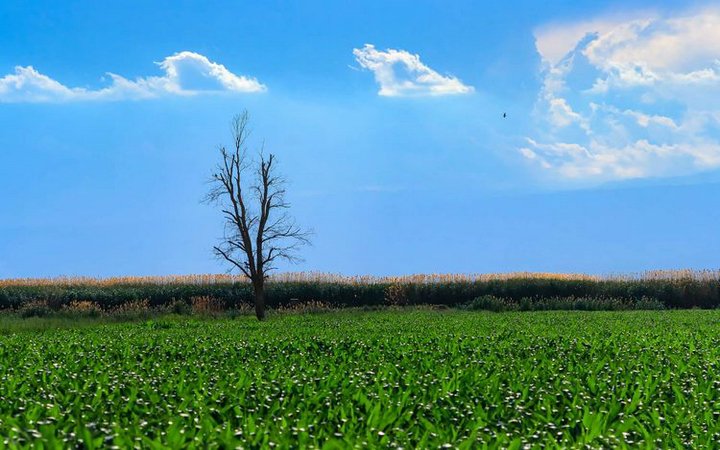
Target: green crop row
column 419, row 379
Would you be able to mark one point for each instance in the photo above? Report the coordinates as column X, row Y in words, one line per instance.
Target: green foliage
column 412, row 379
column 35, row 308
column 492, row 303
column 180, row 307
column 671, row 293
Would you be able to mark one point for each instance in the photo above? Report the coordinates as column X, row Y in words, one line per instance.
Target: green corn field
column 385, row 379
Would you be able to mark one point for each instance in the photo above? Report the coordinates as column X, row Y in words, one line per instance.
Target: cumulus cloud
column 27, row 84
column 562, row 115
column 554, row 41
column 629, row 97
column 185, row 73
column 400, row 73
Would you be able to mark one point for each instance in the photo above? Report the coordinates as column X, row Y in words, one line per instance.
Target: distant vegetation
column 516, row 291
column 390, row 379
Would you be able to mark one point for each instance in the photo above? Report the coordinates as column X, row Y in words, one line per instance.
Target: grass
column 351, row 379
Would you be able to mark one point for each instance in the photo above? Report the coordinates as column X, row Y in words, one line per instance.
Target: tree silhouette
column 258, row 229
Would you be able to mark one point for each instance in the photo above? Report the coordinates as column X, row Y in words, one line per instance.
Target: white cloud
column 186, row 73
column 562, row 115
column 553, row 42
column 400, row 73
column 192, row 72
column 629, row 97
column 645, row 120
column 27, row 84
column 636, row 159
column 681, row 44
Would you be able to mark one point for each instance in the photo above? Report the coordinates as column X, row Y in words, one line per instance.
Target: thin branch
column 226, row 255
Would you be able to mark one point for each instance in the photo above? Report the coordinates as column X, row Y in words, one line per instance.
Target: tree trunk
column 259, row 288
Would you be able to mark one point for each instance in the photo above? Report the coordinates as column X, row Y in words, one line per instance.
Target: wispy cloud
column 629, row 97
column 185, row 73
column 400, row 73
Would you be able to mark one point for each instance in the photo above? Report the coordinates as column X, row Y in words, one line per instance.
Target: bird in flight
column 504, row 115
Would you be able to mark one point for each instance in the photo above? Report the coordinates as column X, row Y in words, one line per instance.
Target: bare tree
column 258, row 229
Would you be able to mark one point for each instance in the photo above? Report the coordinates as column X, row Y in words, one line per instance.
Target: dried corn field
column 669, row 289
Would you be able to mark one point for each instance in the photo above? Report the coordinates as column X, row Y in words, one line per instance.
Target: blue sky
column 386, row 117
